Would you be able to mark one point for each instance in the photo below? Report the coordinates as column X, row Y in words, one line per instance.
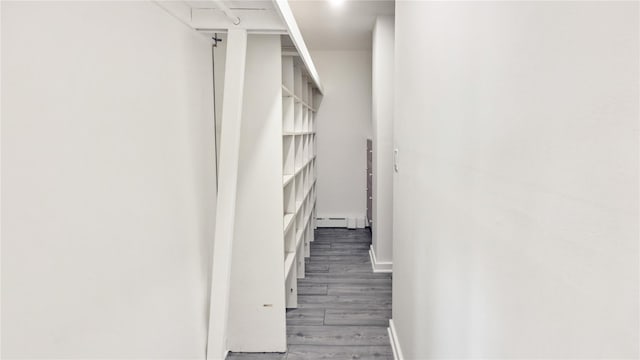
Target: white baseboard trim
column 340, row 222
column 379, row 266
column 331, row 222
column 393, row 338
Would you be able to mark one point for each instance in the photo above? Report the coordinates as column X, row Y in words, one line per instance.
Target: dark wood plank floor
column 344, row 308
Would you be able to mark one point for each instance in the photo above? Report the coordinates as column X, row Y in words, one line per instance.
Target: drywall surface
column 343, row 126
column 382, row 120
column 108, row 182
column 516, row 225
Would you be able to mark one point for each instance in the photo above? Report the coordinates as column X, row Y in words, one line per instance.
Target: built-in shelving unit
column 267, row 93
column 298, row 172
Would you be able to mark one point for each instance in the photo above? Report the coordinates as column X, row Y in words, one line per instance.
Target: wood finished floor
column 343, row 307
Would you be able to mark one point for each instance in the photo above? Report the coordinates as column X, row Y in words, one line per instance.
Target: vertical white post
column 227, row 187
column 382, row 115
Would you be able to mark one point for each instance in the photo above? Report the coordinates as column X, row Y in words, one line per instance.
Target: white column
column 382, row 113
column 227, row 186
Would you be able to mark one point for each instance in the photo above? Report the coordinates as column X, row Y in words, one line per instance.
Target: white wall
column 108, row 182
column 516, row 232
column 382, row 119
column 343, row 125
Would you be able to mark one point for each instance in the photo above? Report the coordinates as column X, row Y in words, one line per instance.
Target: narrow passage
column 343, row 307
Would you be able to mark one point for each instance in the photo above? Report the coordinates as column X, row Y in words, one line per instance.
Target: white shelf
column 308, row 106
column 287, row 93
column 299, row 144
column 286, row 179
column 289, row 259
column 299, row 234
column 304, row 197
column 298, row 133
column 301, row 231
column 288, row 221
column 304, row 165
column 298, row 100
column 306, row 222
column 310, row 187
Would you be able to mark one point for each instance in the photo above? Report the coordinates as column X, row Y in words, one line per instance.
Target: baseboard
column 331, row 222
column 340, row 222
column 379, row 266
column 395, row 344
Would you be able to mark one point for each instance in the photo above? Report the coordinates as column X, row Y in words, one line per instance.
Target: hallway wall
column 516, row 232
column 344, row 123
column 108, row 182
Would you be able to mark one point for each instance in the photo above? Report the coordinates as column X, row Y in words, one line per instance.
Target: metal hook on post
column 216, row 40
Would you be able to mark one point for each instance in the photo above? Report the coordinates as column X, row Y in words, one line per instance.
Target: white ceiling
column 324, row 26
column 232, row 4
column 344, row 27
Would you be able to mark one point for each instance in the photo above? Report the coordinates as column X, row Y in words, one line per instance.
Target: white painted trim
column 206, row 21
column 227, row 190
column 331, row 222
column 379, row 266
column 341, row 222
column 252, row 20
column 393, row 339
column 282, row 6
